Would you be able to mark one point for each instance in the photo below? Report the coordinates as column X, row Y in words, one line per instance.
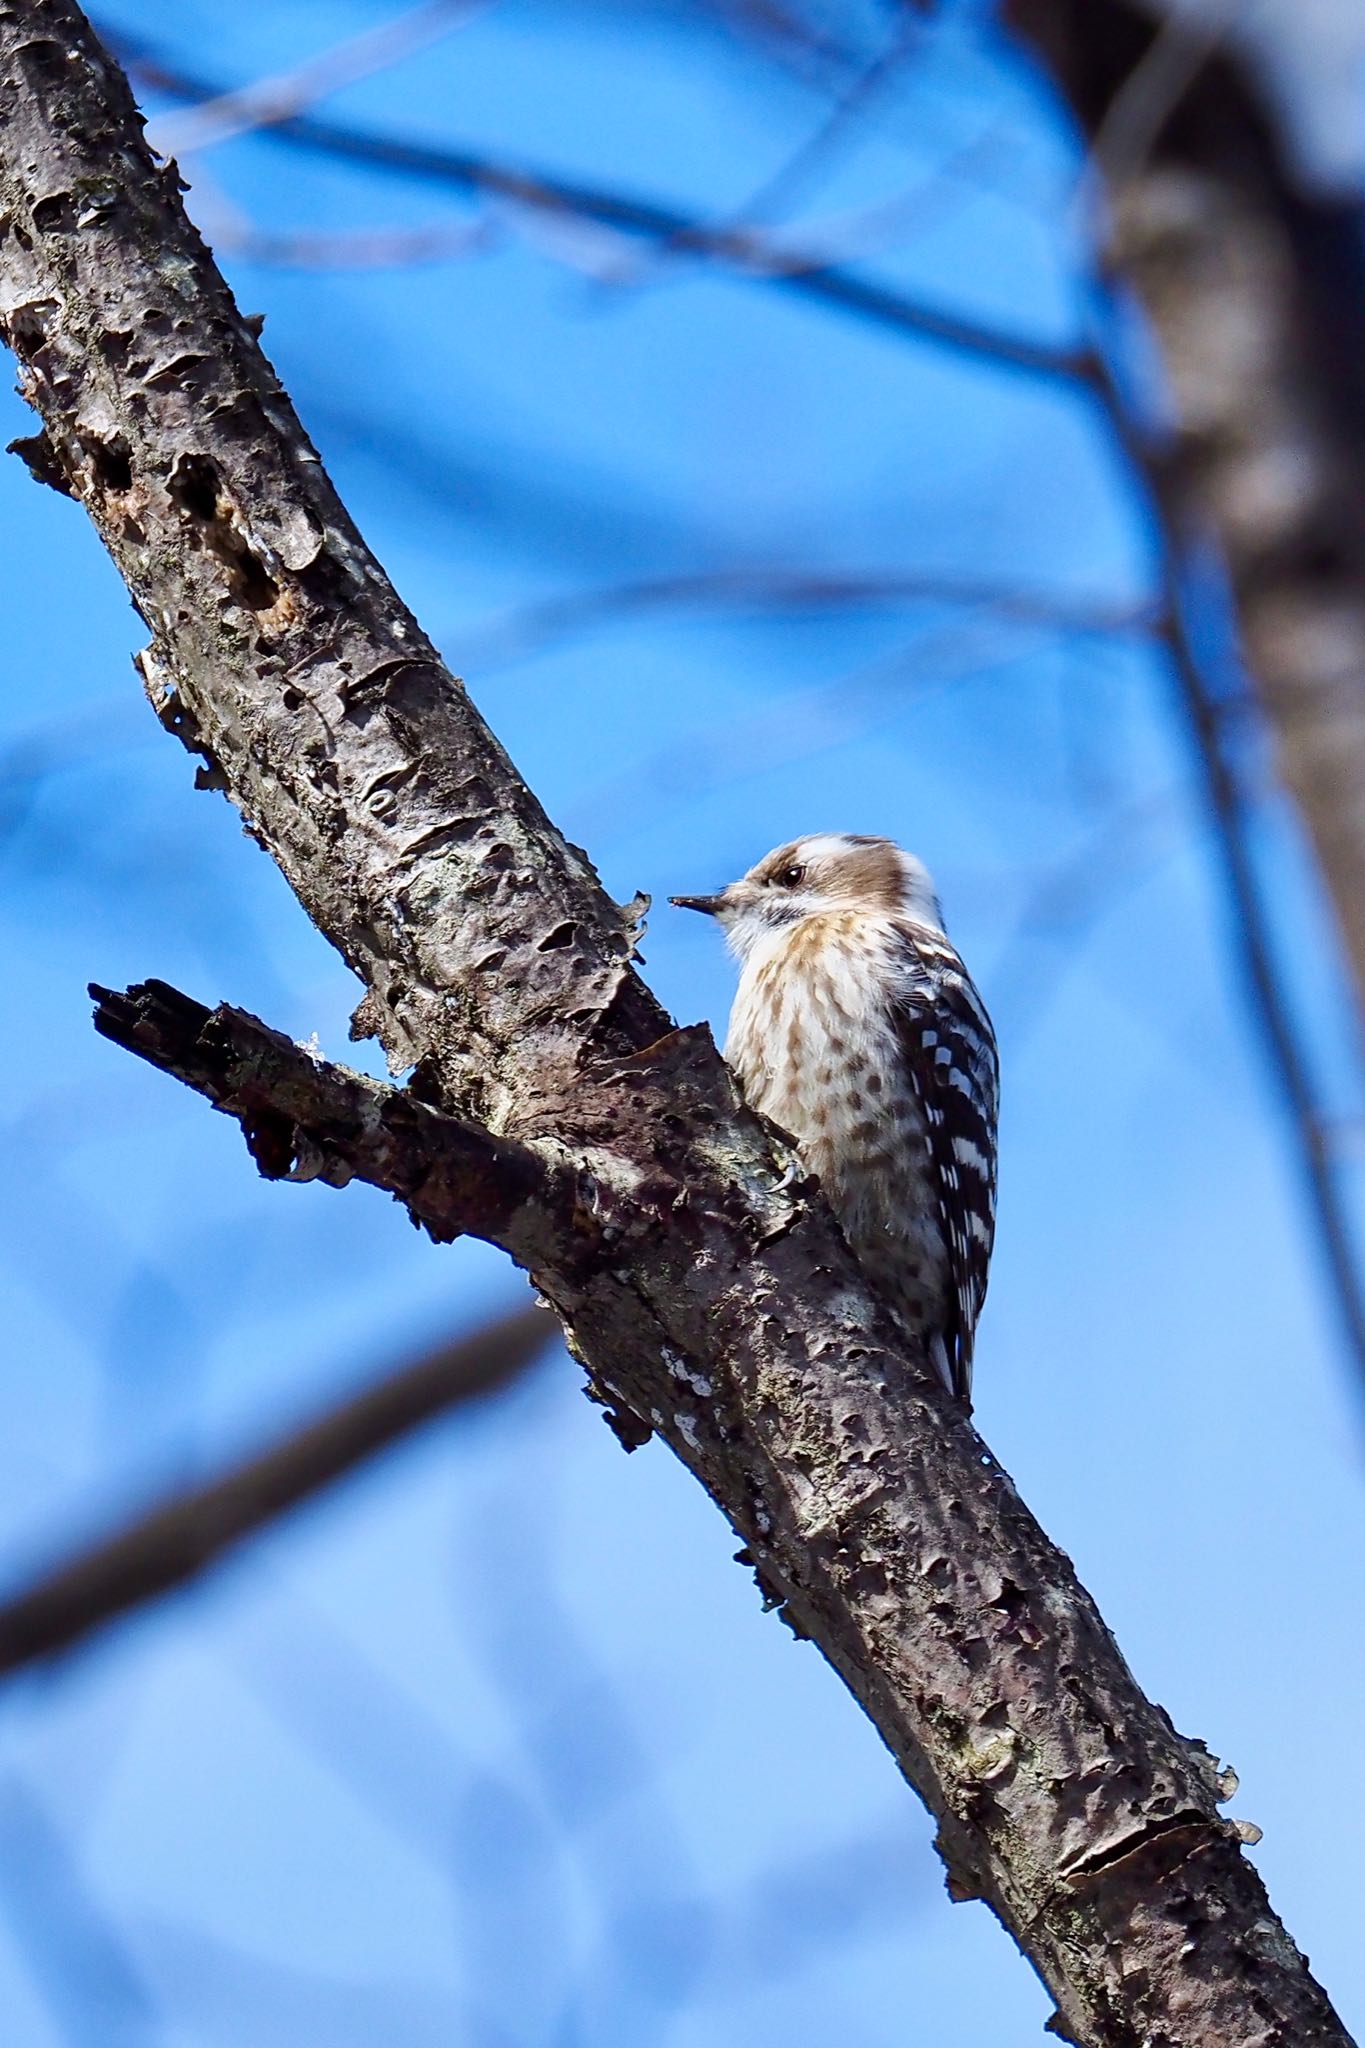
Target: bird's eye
column 792, row 877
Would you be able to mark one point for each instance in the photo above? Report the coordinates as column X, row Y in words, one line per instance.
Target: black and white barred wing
column 949, row 1050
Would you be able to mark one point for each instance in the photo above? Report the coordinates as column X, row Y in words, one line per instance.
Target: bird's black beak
column 709, row 904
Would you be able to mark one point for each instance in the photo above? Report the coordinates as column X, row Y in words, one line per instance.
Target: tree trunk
column 697, row 1271
column 1255, row 285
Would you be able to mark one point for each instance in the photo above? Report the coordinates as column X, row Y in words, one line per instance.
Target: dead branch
column 714, row 1300
column 306, row 1119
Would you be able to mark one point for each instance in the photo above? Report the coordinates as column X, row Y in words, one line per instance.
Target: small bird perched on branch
column 856, row 1027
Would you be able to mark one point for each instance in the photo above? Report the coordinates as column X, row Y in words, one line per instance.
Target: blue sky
column 493, row 1745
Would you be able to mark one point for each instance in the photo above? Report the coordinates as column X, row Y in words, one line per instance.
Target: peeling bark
column 698, row 1272
column 1255, row 287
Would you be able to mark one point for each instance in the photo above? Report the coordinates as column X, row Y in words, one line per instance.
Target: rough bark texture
column 1256, row 290
column 306, row 1119
column 699, row 1274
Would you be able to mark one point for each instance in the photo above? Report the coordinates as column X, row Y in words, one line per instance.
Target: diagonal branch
column 267, row 101
column 182, row 1538
column 714, row 1295
column 781, row 587
column 306, row 1119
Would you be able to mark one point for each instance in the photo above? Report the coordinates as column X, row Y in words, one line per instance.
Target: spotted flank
column 952, row 1066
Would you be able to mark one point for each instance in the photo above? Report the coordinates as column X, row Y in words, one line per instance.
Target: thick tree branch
column 306, row 1119
column 1256, row 288
column 181, row 1538
column 716, row 1299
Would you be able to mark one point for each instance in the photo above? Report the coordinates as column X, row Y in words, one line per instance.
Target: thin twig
column 778, row 589
column 776, row 192
column 271, row 100
column 1155, row 86
column 372, row 249
column 227, row 226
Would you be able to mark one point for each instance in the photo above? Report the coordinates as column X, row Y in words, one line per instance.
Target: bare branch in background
column 801, row 724
column 227, row 227
column 1154, row 88
column 698, row 1270
column 395, row 248
column 1238, row 269
column 838, row 127
column 87, row 1974
column 271, row 100
column 1231, row 810
column 182, row 1538
column 1071, row 897
column 811, row 53
column 746, row 252
column 777, row 589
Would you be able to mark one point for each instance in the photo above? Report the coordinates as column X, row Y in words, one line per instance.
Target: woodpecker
column 858, row 1030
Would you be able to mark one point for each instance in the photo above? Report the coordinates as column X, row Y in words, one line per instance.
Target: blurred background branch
column 175, row 1542
column 743, row 251
column 1253, row 276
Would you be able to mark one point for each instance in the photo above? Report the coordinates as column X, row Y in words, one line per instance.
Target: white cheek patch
column 752, row 932
column 768, row 922
column 742, row 932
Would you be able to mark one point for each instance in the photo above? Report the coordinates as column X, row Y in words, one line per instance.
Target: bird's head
column 824, row 871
